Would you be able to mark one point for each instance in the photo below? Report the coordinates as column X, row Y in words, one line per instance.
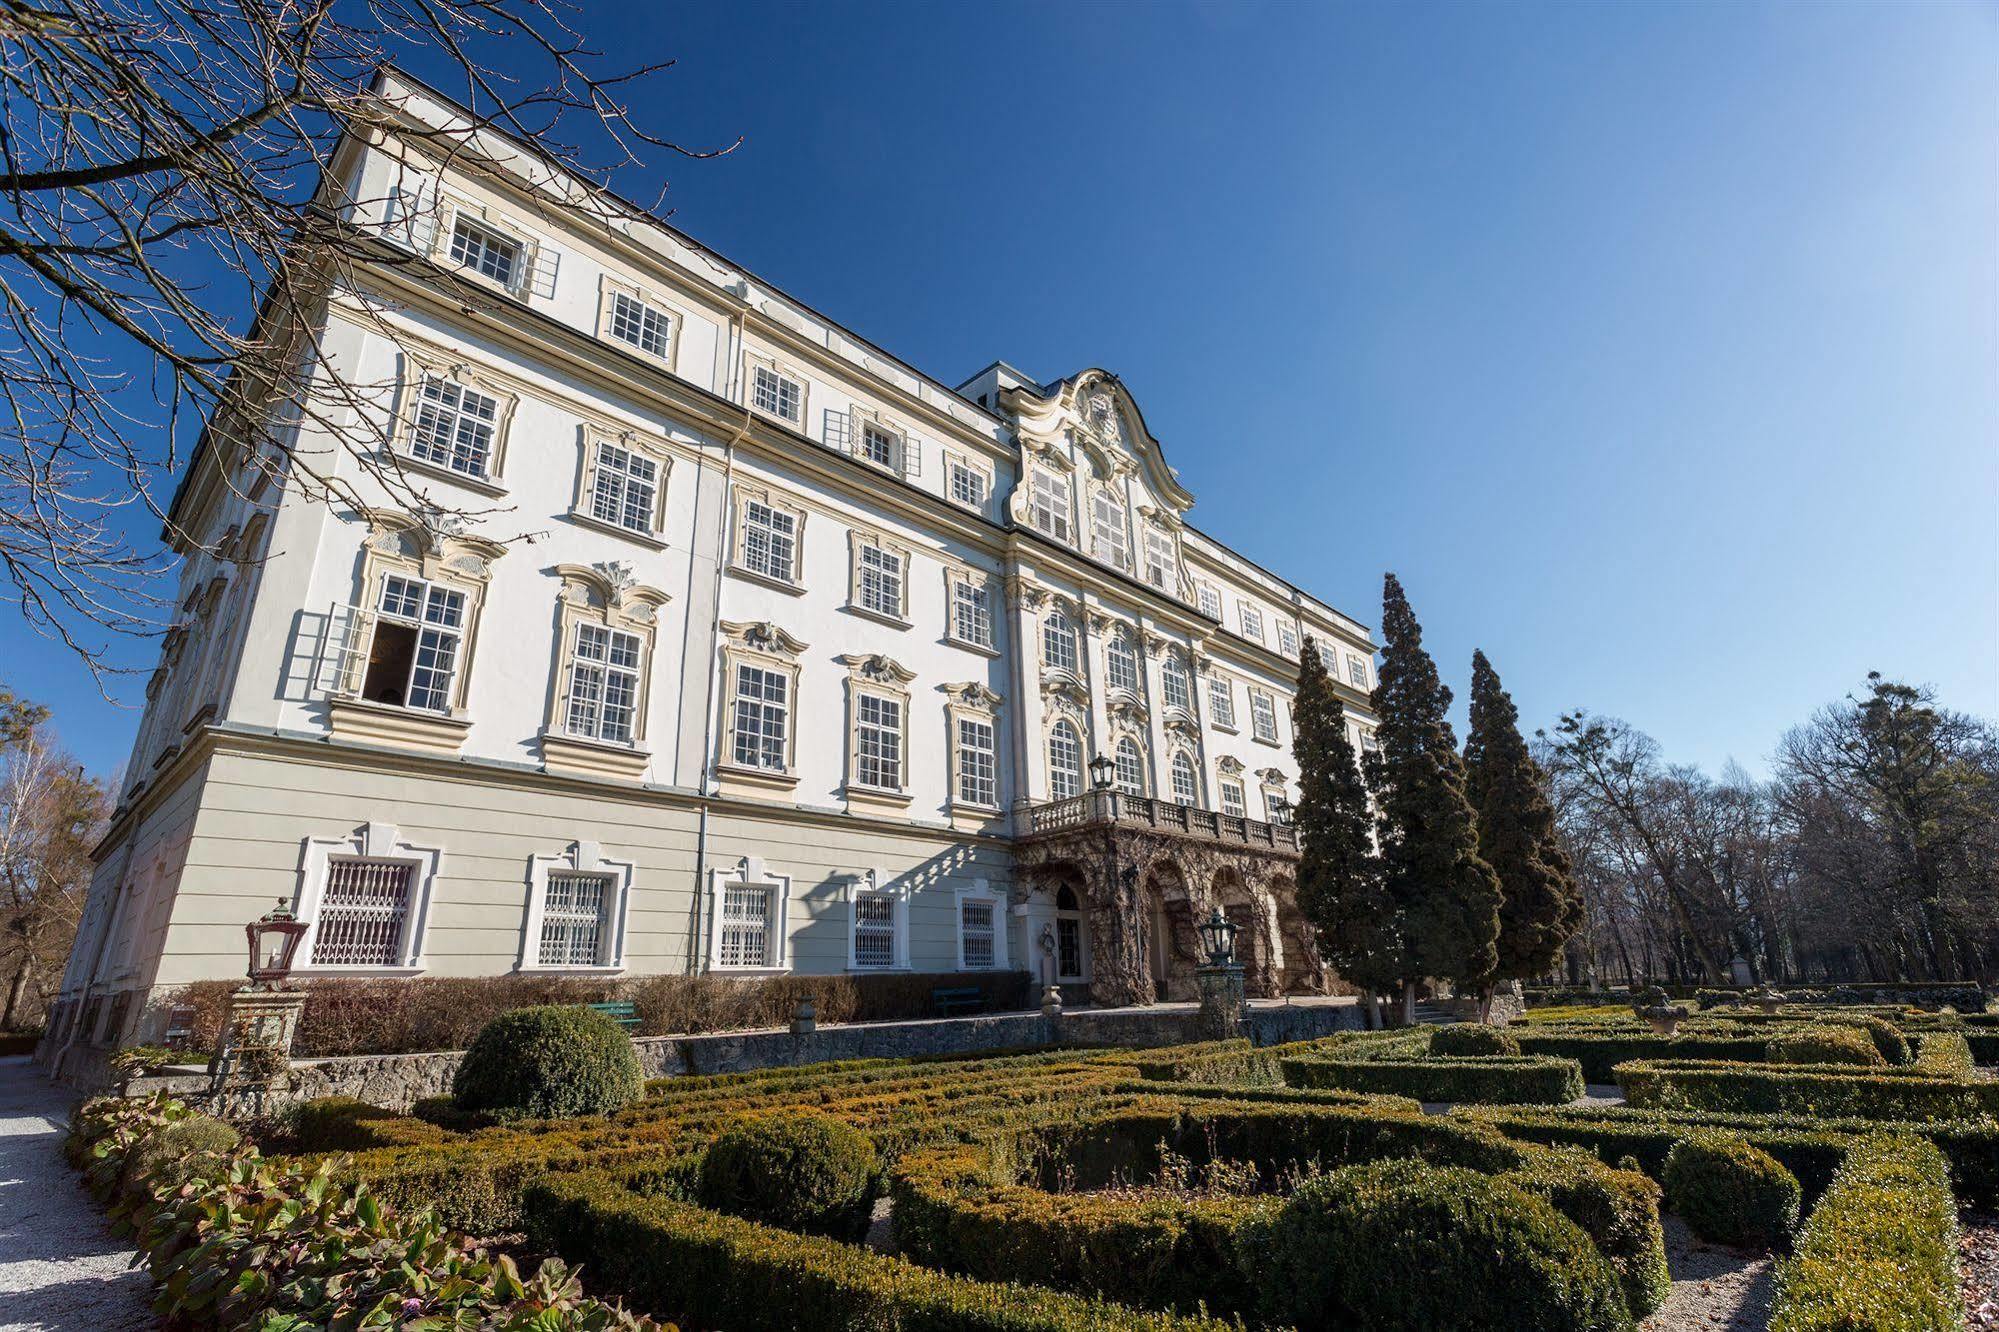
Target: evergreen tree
column 1540, row 906
column 1446, row 896
column 1339, row 877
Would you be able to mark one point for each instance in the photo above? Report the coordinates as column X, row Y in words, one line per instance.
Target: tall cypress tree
column 1339, row 877
column 1540, row 906
column 1447, row 897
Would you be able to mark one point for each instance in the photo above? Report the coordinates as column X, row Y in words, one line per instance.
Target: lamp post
column 1281, row 811
column 263, row 1016
column 1218, row 937
column 274, row 938
column 1101, row 769
column 1220, row 978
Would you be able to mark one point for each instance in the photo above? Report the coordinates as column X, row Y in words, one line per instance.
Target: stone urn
column 1665, row 1018
column 805, row 1018
column 1767, row 999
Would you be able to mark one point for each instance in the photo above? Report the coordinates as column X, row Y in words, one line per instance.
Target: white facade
column 738, row 649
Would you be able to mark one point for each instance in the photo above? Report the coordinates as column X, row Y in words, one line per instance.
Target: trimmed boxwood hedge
column 1824, row 1043
column 1804, row 1089
column 1491, row 1080
column 549, row 1062
column 807, row 1172
column 1880, row 1251
column 1473, row 1038
column 1601, row 1050
column 1238, row 1062
column 1731, row 1192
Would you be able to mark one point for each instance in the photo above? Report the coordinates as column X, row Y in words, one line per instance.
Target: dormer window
column 1049, row 511
column 1287, row 638
column 1162, row 567
column 486, row 252
column 646, row 327
column 878, row 445
column 1252, row 622
column 779, row 395
column 1211, row 602
column 1109, row 540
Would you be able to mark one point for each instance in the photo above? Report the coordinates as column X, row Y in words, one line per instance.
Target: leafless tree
column 169, row 230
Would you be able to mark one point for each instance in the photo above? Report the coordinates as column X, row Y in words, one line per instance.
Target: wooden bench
column 951, row 999
column 180, row 1027
column 621, row 1011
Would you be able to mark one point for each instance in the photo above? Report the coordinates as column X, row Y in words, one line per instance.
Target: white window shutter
column 344, row 659
column 837, row 432
column 912, row 456
column 541, row 278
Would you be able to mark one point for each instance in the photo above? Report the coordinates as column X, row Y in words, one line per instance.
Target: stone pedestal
column 1051, row 1001
column 257, row 1037
column 1221, row 1002
column 805, row 1018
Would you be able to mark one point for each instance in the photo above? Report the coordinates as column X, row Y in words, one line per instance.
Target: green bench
column 951, row 999
column 621, row 1011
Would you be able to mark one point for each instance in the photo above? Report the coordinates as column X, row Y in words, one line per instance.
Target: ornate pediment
column 610, row 586
column 762, row 636
column 1129, row 711
column 1230, row 765
column 874, row 668
column 1184, row 727
column 972, row 694
column 1061, row 687
column 1094, row 411
column 1273, row 776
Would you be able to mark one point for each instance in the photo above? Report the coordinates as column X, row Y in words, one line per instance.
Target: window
column 763, row 717
column 1221, row 703
column 1120, row 664
column 770, row 541
column 1368, row 743
column 1049, row 510
column 875, row 934
column 604, row 684
column 1357, row 671
column 643, row 326
column 1173, row 684
column 878, row 445
column 1211, row 602
column 413, row 656
column 1130, row 767
column 624, row 488
column 1058, row 643
column 748, row 910
column 1109, row 541
column 1068, row 935
column 878, row 741
column 572, row 920
column 1186, row 787
column 1328, row 657
column 1262, row 716
column 362, row 909
column 1287, row 638
column 1233, row 800
column 878, row 581
column 968, row 485
column 978, row 767
column 971, row 611
column 1252, row 622
column 779, row 395
column 744, row 930
column 485, row 251
column 1161, row 567
column 454, row 426
column 981, row 929
column 1065, row 762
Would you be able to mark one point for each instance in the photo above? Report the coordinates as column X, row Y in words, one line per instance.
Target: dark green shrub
column 1824, row 1045
column 1490, row 1079
column 1945, row 1054
column 549, row 1063
column 1880, row 1250
column 1731, row 1192
column 1911, row 1093
column 1887, row 1038
column 1402, row 1245
column 173, row 1154
column 1617, row 1208
column 803, row 1172
column 1601, row 1049
column 1473, row 1038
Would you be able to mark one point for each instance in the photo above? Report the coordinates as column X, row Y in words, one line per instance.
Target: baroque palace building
column 727, row 643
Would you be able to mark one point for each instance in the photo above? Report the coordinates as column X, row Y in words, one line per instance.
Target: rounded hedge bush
column 1473, row 1038
column 1887, row 1038
column 1729, row 1191
column 805, row 1172
column 1401, row 1245
column 553, row 1062
column 1824, row 1045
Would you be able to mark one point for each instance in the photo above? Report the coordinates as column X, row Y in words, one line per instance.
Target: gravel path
column 1714, row 1289
column 1978, row 1250
column 60, row 1266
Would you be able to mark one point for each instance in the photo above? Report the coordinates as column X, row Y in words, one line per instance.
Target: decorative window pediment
column 763, row 636
column 1230, row 764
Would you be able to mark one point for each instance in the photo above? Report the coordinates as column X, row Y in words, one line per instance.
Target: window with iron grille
column 485, row 251
column 1130, row 767
column 770, row 541
column 777, row 394
column 874, row 929
column 880, row 575
column 1058, row 643
column 971, row 612
column 624, row 489
column 1109, row 540
column 1233, row 800
column 1186, row 787
column 1221, row 702
column 744, row 930
column 978, row 933
column 978, row 770
column 878, row 741
column 1120, row 664
column 1173, row 686
column 1065, row 762
column 1262, row 716
column 763, row 715
column 1049, row 511
column 361, row 914
column 454, row 426
column 572, row 920
column 604, row 683
column 645, row 327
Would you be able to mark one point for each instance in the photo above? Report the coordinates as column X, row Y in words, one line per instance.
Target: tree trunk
column 14, row 993
column 1409, row 1003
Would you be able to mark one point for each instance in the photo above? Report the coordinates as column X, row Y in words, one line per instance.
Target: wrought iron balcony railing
column 1093, row 808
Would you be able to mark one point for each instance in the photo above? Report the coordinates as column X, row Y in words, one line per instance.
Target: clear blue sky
column 1656, row 347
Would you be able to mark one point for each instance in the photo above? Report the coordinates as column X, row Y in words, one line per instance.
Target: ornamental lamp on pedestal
column 273, row 941
column 1281, row 811
column 1101, row 768
column 1218, row 938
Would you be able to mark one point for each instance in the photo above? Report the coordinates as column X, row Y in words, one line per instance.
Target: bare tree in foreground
column 161, row 179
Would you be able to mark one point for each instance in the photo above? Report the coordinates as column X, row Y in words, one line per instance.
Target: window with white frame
column 418, row 640
column 968, row 485
column 878, row 741
column 1186, row 785
column 878, row 939
column 624, row 488
column 1368, row 743
column 1328, row 658
column 1065, row 761
column 763, row 717
column 1234, row 802
column 1287, row 638
column 1174, row 688
column 770, row 541
column 1058, row 643
column 1162, row 564
column 572, row 919
column 971, row 610
column 1211, row 602
column 1252, row 622
column 978, row 763
column 1357, row 671
column 1130, row 768
column 644, row 326
column 878, row 445
column 1120, row 663
column 486, row 252
column 1262, row 716
column 981, row 930
column 604, row 683
column 878, row 580
column 1109, row 540
column 1049, row 506
column 778, row 394
column 745, row 925
column 748, row 911
column 363, row 909
column 1221, row 703
column 454, row 427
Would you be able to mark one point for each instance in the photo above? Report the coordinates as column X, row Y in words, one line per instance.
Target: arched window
column 1058, row 643
column 1173, row 686
column 1120, row 664
column 1130, row 767
column 1065, row 762
column 1186, row 787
